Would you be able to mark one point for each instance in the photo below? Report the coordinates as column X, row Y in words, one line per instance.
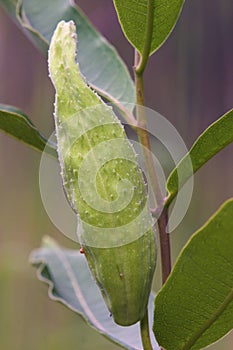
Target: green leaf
column 217, row 136
column 70, row 282
column 99, row 61
column 16, row 124
column 195, row 306
column 133, row 17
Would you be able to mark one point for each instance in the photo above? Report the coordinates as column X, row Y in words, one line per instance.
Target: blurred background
column 189, row 81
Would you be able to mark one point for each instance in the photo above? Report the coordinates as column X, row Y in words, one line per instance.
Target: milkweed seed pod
column 104, row 186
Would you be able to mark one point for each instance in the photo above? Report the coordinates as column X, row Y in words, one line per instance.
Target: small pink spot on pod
column 81, row 250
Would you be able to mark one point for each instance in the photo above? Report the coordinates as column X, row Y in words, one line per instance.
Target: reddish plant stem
column 165, row 247
column 144, row 140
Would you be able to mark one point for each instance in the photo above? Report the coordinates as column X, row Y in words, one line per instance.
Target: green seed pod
column 104, row 185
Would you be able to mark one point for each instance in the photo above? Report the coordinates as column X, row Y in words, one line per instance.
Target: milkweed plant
column 123, row 205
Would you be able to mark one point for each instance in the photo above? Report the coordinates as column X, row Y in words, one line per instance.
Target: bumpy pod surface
column 103, row 184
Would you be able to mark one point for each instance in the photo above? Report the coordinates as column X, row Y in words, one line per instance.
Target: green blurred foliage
column 189, row 81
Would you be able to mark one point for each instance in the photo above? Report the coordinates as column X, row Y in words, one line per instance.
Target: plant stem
column 143, row 136
column 145, row 142
column 145, row 333
column 165, row 247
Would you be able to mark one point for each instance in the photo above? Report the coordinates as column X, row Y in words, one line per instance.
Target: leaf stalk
column 148, row 38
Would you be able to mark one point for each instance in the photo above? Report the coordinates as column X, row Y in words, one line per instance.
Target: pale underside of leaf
column 70, row 282
column 99, row 61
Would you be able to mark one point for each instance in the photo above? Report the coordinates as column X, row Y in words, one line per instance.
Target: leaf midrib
column 77, row 291
column 210, row 321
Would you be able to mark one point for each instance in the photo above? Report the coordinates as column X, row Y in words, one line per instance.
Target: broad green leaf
column 15, row 123
column 70, row 282
column 98, row 60
column 133, row 17
column 195, row 306
column 217, row 136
